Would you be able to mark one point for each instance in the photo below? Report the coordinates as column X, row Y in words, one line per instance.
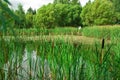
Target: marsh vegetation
column 33, row 47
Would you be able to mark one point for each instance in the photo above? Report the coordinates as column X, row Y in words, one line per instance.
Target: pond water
column 44, row 60
column 29, row 67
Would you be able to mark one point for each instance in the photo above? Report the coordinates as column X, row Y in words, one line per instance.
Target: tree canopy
column 58, row 15
column 66, row 1
column 99, row 12
column 30, row 18
column 64, row 13
column 21, row 14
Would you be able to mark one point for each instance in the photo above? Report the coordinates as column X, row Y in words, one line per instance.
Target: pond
column 29, row 67
column 55, row 60
column 40, row 60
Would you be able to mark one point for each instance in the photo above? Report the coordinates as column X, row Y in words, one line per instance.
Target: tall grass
column 36, row 31
column 108, row 32
column 58, row 60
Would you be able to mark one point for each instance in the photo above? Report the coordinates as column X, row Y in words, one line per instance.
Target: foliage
column 38, row 32
column 59, row 60
column 66, row 1
column 99, row 12
column 117, row 10
column 86, row 16
column 58, row 15
column 45, row 16
column 6, row 17
column 31, row 11
column 21, row 14
column 116, row 5
column 107, row 32
column 30, row 18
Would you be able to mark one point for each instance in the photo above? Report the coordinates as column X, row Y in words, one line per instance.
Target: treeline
column 58, row 15
column 101, row 12
column 64, row 13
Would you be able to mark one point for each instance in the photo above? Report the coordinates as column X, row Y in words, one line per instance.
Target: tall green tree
column 30, row 18
column 45, row 16
column 58, row 15
column 61, row 1
column 31, row 11
column 75, row 1
column 86, row 15
column 99, row 12
column 116, row 4
column 67, row 1
column 22, row 19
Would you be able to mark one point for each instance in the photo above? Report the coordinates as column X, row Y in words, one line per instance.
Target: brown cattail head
column 103, row 43
column 102, row 53
column 53, row 45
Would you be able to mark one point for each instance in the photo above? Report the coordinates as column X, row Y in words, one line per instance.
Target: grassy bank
column 54, row 31
column 108, row 32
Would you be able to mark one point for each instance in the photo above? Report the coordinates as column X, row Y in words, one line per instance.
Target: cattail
column 75, row 45
column 102, row 53
column 103, row 42
column 53, row 45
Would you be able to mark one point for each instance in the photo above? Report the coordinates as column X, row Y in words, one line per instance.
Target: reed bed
column 36, row 31
column 108, row 32
column 58, row 60
column 23, row 57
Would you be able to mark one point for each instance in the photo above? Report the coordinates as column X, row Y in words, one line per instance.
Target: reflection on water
column 46, row 61
column 29, row 66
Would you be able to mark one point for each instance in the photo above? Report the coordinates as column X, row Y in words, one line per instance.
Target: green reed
column 58, row 60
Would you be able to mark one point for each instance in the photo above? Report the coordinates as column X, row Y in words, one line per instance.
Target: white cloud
column 35, row 4
column 83, row 2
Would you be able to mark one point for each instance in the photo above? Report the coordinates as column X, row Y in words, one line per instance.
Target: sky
column 35, row 4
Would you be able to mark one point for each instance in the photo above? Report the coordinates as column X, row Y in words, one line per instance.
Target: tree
column 73, row 15
column 103, row 12
column 45, row 17
column 86, row 16
column 31, row 11
column 21, row 14
column 61, row 1
column 30, row 18
column 99, row 12
column 75, row 1
column 116, row 4
column 58, row 15
column 67, row 1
